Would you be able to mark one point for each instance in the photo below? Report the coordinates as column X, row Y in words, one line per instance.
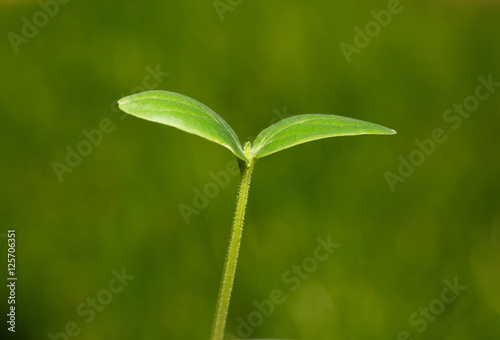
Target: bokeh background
column 119, row 207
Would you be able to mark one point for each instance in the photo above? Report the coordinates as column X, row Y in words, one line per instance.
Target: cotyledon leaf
column 305, row 128
column 183, row 113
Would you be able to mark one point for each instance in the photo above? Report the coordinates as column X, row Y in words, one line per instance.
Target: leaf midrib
column 199, row 115
column 303, row 120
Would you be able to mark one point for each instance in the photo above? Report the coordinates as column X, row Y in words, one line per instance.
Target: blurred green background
column 119, row 207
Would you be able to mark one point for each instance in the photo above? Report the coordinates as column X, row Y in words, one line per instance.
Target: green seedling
column 192, row 116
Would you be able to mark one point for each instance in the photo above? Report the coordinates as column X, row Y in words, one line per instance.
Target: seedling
column 189, row 115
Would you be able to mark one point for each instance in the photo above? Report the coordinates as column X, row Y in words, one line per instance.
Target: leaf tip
column 122, row 101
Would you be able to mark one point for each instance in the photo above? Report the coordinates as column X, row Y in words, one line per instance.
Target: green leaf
column 183, row 113
column 305, row 128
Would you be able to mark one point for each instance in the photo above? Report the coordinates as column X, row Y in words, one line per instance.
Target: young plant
column 192, row 116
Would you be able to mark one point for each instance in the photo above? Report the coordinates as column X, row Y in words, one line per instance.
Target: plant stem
column 232, row 255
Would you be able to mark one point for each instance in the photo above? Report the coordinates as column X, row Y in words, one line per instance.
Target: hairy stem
column 232, row 255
